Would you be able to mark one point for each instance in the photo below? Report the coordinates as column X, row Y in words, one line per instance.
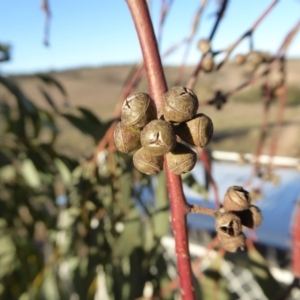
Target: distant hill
column 237, row 126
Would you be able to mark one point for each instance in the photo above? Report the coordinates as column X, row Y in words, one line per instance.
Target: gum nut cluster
column 236, row 212
column 139, row 129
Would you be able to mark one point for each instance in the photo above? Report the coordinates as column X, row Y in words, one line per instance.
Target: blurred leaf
column 63, row 171
column 213, row 284
column 7, row 173
column 160, row 217
column 51, row 80
column 125, row 244
column 89, row 115
column 48, row 99
column 192, row 183
column 262, row 274
column 30, row 173
column 24, row 103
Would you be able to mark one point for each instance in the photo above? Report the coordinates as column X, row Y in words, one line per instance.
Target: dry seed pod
column 251, row 217
column 236, row 199
column 250, row 67
column 181, row 159
column 204, row 46
column 208, row 63
column 232, row 244
column 138, row 109
column 147, row 163
column 256, row 58
column 180, row 104
column 197, row 131
column 267, row 57
column 127, row 139
column 229, row 224
column 276, row 78
column 158, row 137
column 240, row 59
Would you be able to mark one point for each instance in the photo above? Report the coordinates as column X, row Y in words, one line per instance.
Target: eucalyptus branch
column 157, row 86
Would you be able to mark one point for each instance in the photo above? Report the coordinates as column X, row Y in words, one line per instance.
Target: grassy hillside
column 237, row 125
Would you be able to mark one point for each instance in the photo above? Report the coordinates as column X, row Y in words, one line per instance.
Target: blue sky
column 101, row 32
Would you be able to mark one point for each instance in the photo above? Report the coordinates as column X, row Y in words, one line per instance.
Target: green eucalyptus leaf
column 213, row 284
column 30, row 173
column 89, row 115
column 192, row 183
column 260, row 270
column 24, row 103
column 63, row 170
column 48, row 99
column 160, row 217
column 48, row 79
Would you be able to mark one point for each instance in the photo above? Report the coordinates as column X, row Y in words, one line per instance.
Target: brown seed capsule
column 232, row 244
column 267, row 57
column 147, row 163
column 127, row 139
column 197, row 131
column 180, row 104
column 138, row 109
column 181, row 159
column 236, row 199
column 240, row 59
column 158, row 137
column 251, row 217
column 256, row 58
column 229, row 224
column 208, row 63
column 204, row 46
column 250, row 67
column 276, row 79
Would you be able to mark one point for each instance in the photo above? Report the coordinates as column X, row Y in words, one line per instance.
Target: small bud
column 251, row 217
column 208, row 63
column 147, row 163
column 240, row 59
column 180, row 104
column 127, row 139
column 197, row 131
column 204, row 46
column 181, row 159
column 138, row 109
column 158, row 137
column 236, row 199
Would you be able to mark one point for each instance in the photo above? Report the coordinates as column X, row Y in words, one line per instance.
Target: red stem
column 157, row 87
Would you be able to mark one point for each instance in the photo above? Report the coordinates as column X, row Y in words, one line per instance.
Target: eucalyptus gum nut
column 146, row 163
column 240, row 59
column 197, row 132
column 229, row 224
column 181, row 159
column 236, row 199
column 180, row 104
column 204, row 46
column 127, row 139
column 256, row 58
column 138, row 109
column 208, row 63
column 158, row 137
column 251, row 217
column 232, row 244
column 276, row 78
